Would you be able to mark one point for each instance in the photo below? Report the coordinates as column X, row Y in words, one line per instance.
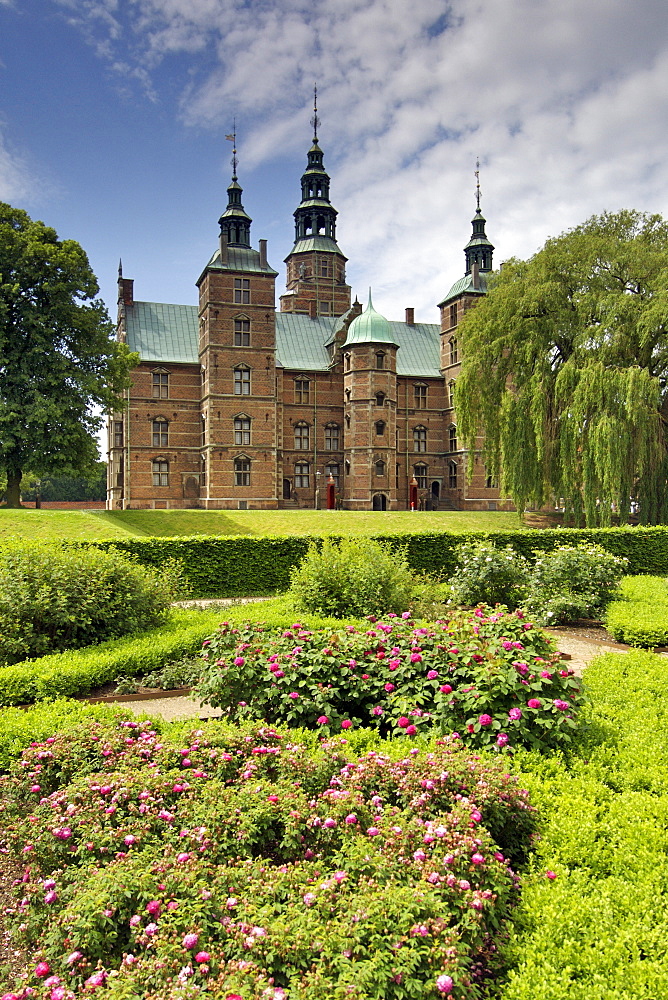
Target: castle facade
column 238, row 405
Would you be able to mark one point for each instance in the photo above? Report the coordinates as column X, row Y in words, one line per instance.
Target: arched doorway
column 435, row 489
column 379, row 501
column 287, row 489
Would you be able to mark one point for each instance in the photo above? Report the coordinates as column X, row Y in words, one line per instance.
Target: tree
column 59, row 364
column 565, row 371
column 69, row 488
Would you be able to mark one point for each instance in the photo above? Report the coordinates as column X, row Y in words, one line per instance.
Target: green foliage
column 351, row 577
column 54, row 598
column 570, row 583
column 486, row 574
column 289, row 880
column 565, row 368
column 598, row 928
column 68, row 488
column 491, row 677
column 640, row 618
column 59, row 356
column 229, row 567
column 81, row 670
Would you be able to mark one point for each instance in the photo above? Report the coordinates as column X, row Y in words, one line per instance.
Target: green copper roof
column 369, row 328
column 239, row 259
column 465, row 284
column 161, row 332
column 316, row 243
column 168, row 333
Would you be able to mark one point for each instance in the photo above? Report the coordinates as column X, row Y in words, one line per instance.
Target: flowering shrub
column 352, row 576
column 487, row 574
column 490, row 676
column 241, row 864
column 573, row 582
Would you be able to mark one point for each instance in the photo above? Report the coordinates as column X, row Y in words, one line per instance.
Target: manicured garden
column 396, row 803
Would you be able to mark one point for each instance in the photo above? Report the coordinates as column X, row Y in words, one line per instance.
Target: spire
column 234, row 222
column 315, row 216
column 478, row 250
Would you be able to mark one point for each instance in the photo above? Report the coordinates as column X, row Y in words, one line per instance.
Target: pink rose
column 514, row 714
column 402, row 722
column 202, row 956
column 346, row 724
column 534, row 703
column 485, row 720
column 432, row 675
column 444, row 984
column 322, row 720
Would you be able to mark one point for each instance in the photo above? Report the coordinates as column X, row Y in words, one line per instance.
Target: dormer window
column 380, row 399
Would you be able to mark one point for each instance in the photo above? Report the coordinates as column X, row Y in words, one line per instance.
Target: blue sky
column 113, row 115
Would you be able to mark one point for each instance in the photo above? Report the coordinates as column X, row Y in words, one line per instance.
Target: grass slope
column 121, row 524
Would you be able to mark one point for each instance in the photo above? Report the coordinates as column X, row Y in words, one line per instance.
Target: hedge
column 593, row 920
column 241, row 566
column 78, row 671
column 640, row 618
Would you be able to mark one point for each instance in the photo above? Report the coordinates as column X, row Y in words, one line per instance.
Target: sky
column 113, row 117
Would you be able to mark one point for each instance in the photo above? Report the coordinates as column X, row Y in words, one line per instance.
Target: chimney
column 126, row 291
column 410, row 316
column 313, row 309
column 263, row 253
column 476, row 276
column 223, row 247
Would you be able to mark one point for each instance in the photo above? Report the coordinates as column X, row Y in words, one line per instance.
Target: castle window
column 160, row 385
column 324, row 308
column 118, row 433
column 242, row 291
column 419, row 439
column 203, row 430
column 202, row 474
column 380, row 427
column 420, row 396
column 242, row 430
column 452, row 475
column 452, row 437
column 242, row 471
column 302, row 477
column 451, row 392
column 380, row 360
column 332, row 437
column 333, row 471
column 241, row 332
column 160, row 472
column 420, row 472
column 380, row 399
column 242, row 381
column 453, row 350
column 380, row 468
column 347, row 395
column 324, row 269
column 160, row 433
column 302, row 435
column 346, row 362
column 453, row 314
column 347, row 422
column 347, row 467
column 491, row 482
column 302, row 390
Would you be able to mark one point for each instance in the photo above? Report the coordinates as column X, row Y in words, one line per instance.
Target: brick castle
column 237, row 405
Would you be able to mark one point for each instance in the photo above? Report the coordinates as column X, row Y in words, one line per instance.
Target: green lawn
column 120, row 524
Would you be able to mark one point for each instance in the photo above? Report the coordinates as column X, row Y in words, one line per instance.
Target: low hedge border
column 593, row 919
column 242, row 566
column 640, row 618
column 80, row 670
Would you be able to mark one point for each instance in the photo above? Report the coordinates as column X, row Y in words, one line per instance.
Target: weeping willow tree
column 565, row 372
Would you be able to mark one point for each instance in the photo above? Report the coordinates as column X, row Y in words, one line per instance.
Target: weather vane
column 315, row 121
column 233, row 139
column 477, row 183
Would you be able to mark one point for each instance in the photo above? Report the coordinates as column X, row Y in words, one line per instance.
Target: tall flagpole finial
column 233, row 139
column 315, row 121
column 477, row 183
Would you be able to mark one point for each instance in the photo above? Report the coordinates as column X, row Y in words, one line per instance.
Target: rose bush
column 489, row 675
column 243, row 863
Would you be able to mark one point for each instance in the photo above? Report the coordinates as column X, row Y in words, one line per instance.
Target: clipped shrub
column 54, row 597
column 78, row 671
column 246, row 862
column 640, row 617
column 487, row 574
column 353, row 576
column 491, row 677
column 572, row 582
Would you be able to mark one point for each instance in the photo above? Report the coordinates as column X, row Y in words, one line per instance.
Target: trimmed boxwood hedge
column 640, row 618
column 238, row 566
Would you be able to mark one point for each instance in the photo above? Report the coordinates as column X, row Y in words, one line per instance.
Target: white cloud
column 564, row 102
column 17, row 183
